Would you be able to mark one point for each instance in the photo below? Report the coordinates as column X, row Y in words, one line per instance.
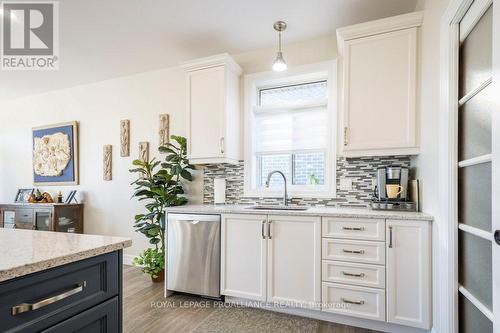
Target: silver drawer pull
column 26, row 307
column 344, row 300
column 360, row 275
column 353, row 251
column 353, row 228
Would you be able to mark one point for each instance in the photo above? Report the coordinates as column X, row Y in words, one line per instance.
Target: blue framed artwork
column 55, row 154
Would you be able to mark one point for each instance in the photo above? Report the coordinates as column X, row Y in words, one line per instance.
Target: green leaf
column 186, row 175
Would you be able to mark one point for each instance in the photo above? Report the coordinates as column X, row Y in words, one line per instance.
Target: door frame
column 448, row 143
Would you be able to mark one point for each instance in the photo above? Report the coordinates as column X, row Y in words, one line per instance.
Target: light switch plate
column 345, row 184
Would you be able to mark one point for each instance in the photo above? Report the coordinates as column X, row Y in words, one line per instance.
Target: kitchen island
column 60, row 282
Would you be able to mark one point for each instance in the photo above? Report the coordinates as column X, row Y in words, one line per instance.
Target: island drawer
column 37, row 301
column 354, row 228
column 101, row 318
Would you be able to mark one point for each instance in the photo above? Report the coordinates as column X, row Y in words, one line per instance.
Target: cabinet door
column 206, row 108
column 409, row 273
column 379, row 93
column 294, row 259
column 243, row 256
column 43, row 219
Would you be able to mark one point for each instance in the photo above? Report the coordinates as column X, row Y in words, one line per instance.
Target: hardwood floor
column 146, row 310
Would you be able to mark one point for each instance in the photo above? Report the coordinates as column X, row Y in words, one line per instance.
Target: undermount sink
column 263, row 207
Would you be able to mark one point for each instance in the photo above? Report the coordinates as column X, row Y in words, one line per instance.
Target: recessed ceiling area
column 100, row 39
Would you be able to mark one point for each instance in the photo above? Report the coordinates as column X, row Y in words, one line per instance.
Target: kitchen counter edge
column 313, row 211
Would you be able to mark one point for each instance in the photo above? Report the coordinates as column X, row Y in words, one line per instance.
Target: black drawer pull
column 26, row 307
column 354, row 228
column 354, row 251
column 344, row 300
column 360, row 275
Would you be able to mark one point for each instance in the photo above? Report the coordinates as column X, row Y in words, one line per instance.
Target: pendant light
column 279, row 64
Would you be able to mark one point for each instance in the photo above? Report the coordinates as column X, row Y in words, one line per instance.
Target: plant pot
column 160, row 277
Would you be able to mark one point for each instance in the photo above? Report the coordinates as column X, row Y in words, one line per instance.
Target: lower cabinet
column 294, row 260
column 243, row 256
column 380, row 272
column 272, row 258
column 409, row 273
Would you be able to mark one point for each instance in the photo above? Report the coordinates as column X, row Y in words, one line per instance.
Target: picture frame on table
column 23, row 194
column 55, row 154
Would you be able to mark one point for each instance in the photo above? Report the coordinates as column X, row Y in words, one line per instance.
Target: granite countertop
column 27, row 251
column 313, row 211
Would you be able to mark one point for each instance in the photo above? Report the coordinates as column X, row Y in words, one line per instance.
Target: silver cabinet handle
column 269, row 230
column 353, row 251
column 262, row 229
column 345, row 300
column 222, row 145
column 354, row 228
column 26, row 307
column 346, row 141
column 390, row 237
column 360, row 275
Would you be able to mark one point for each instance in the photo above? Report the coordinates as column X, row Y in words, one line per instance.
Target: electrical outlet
column 345, row 184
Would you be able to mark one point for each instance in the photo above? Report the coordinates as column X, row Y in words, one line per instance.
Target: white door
column 294, row 260
column 496, row 166
column 476, row 247
column 206, row 120
column 408, row 273
column 243, row 256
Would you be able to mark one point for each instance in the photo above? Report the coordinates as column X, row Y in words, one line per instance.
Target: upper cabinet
column 379, row 86
column 213, row 110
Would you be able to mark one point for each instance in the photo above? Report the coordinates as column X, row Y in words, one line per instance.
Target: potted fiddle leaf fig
column 159, row 184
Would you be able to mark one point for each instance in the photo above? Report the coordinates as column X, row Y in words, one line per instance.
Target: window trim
column 297, row 75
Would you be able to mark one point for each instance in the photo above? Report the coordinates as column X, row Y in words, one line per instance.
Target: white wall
column 427, row 161
column 98, row 108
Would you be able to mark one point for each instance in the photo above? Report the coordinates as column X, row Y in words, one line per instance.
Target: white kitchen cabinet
column 294, row 260
column 243, row 256
column 408, row 285
column 272, row 258
column 213, row 110
column 379, row 86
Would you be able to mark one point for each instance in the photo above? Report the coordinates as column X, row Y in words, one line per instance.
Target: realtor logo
column 29, row 35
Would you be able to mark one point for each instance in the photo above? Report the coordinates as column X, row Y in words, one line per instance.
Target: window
column 290, row 129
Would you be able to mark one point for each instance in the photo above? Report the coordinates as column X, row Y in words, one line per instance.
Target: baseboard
column 331, row 317
column 127, row 259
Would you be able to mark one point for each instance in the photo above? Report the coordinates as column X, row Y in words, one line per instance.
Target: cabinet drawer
column 24, row 215
column 364, row 229
column 351, row 273
column 354, row 251
column 103, row 318
column 354, row 301
column 65, row 291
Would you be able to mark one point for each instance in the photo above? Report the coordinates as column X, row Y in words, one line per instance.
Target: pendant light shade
column 279, row 64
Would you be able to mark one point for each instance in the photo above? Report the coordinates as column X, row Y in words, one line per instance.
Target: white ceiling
column 103, row 39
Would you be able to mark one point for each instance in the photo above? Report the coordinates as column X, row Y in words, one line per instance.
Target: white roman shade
column 293, row 129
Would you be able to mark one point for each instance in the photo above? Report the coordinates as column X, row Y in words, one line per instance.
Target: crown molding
column 384, row 25
column 223, row 59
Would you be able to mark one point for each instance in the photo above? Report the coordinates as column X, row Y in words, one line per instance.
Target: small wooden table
column 42, row 216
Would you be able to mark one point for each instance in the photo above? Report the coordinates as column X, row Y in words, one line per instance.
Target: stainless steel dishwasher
column 193, row 254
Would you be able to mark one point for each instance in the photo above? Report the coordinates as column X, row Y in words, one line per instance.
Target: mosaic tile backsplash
column 360, row 170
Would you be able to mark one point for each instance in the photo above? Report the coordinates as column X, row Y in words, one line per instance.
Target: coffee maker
column 392, row 175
